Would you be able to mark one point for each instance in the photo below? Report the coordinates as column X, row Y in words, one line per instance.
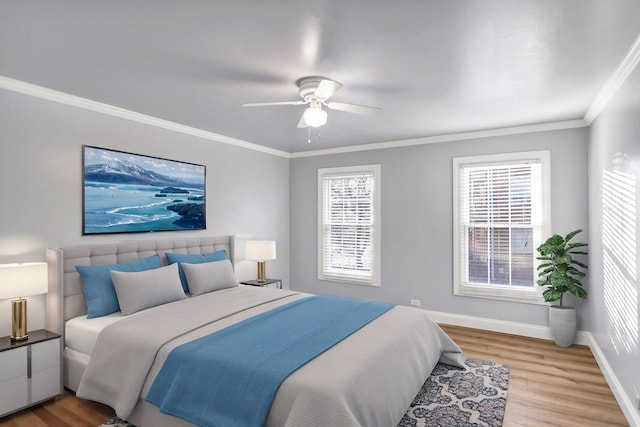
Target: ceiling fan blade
column 353, row 108
column 326, row 89
column 302, row 123
column 267, row 104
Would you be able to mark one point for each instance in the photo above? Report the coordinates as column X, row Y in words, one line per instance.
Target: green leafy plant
column 560, row 273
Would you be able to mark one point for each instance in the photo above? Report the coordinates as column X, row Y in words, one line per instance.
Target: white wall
column 41, row 184
column 417, row 248
column 614, row 260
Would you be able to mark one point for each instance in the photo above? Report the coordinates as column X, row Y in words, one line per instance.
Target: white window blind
column 500, row 220
column 348, row 224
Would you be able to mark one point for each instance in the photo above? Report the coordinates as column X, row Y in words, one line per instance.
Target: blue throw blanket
column 229, row 378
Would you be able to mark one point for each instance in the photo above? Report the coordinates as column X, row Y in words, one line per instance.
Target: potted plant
column 560, row 273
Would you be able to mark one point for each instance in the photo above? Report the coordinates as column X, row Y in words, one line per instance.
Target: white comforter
column 369, row 379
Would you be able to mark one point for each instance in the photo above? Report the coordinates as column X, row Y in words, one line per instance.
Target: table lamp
column 18, row 281
column 261, row 251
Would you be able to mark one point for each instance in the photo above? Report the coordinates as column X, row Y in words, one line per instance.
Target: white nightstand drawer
column 14, row 393
column 45, row 384
column 45, row 355
column 13, row 363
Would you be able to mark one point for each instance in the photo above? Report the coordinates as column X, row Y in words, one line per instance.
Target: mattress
column 81, row 333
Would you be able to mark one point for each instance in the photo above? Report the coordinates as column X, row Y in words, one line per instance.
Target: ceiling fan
column 315, row 92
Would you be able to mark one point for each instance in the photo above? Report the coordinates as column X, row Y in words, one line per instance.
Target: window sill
column 349, row 280
column 502, row 293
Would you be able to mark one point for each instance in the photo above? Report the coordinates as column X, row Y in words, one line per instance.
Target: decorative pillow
column 97, row 285
column 193, row 259
column 144, row 289
column 209, row 276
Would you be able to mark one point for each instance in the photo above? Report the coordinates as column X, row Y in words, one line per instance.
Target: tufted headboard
column 65, row 299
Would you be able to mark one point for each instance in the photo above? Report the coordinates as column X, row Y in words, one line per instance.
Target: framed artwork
column 133, row 193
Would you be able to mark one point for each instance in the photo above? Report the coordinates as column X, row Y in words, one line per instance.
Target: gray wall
column 614, row 261
column 417, row 249
column 41, row 184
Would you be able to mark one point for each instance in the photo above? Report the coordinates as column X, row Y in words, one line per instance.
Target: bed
column 367, row 379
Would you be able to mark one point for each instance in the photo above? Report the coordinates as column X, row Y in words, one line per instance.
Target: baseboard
column 626, row 403
column 542, row 332
column 504, row 326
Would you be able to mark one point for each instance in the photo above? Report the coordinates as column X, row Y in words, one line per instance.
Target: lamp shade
column 23, row 280
column 260, row 250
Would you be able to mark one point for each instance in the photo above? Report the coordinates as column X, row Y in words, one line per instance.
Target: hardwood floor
column 548, row 386
column 67, row 411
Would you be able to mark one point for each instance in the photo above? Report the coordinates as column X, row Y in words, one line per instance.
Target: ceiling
column 435, row 67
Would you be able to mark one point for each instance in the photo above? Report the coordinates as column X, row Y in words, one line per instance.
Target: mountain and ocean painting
column 128, row 193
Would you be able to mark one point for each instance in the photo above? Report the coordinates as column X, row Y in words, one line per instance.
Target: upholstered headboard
column 65, row 299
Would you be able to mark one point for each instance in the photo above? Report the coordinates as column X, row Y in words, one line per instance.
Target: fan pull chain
column 309, row 137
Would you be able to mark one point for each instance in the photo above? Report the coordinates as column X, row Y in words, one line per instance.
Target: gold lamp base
column 19, row 320
column 261, row 269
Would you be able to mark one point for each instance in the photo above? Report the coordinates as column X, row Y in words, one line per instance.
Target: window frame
column 541, row 227
column 374, row 278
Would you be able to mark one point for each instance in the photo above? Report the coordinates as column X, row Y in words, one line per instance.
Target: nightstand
column 30, row 370
column 267, row 282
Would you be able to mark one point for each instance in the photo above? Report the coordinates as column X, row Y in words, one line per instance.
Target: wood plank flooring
column 548, row 386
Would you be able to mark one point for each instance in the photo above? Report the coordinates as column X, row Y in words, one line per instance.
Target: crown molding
column 539, row 127
column 611, row 86
column 99, row 107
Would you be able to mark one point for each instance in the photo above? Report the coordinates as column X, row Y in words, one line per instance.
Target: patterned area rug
column 474, row 396
column 116, row 422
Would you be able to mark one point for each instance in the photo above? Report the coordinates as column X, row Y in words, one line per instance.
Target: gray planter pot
column 562, row 322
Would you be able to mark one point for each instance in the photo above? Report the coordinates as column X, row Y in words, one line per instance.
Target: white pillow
column 139, row 290
column 209, row 276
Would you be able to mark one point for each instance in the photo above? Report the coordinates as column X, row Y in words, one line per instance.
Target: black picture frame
column 125, row 192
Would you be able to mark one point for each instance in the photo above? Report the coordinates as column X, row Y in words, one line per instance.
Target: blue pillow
column 98, row 287
column 172, row 258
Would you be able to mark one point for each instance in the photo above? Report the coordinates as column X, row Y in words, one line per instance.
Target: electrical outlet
column 415, row 302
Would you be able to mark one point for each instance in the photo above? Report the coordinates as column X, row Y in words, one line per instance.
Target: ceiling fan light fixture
column 315, row 117
column 315, row 91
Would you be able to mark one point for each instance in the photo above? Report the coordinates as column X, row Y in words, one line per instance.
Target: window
column 501, row 215
column 349, row 224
